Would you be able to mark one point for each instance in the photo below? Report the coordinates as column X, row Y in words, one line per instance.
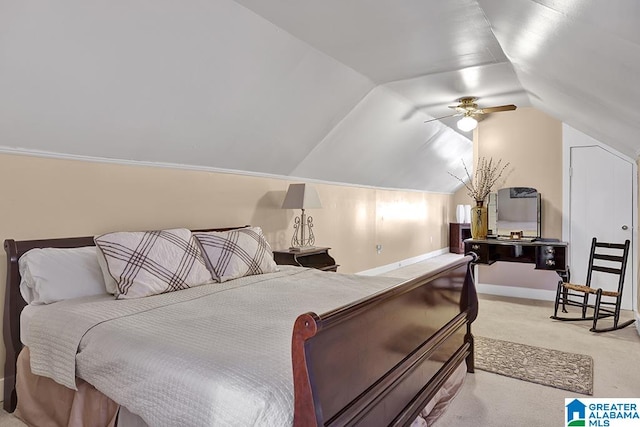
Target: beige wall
column 47, row 198
column 460, row 197
column 531, row 142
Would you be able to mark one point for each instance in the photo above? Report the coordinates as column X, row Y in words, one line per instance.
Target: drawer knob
column 475, row 247
column 551, row 250
column 551, row 262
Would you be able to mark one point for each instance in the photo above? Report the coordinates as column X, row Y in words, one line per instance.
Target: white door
column 601, row 197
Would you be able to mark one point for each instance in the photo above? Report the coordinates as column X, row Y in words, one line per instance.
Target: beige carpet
column 553, row 368
column 8, row 420
column 487, row 399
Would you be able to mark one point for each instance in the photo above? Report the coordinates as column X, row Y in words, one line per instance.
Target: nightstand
column 458, row 233
column 318, row 258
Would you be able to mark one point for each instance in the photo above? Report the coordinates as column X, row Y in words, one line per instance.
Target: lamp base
column 302, row 232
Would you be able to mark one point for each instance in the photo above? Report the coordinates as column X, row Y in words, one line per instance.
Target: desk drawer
column 480, row 249
column 550, row 257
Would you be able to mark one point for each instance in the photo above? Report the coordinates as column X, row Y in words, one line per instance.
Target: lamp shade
column 467, row 123
column 301, row 196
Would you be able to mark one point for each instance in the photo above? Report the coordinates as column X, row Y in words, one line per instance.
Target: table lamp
column 302, row 196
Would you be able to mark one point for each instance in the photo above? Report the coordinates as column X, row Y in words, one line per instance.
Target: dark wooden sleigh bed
column 377, row 361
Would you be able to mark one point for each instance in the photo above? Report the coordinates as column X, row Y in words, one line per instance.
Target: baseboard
column 403, row 263
column 2, row 389
column 516, row 292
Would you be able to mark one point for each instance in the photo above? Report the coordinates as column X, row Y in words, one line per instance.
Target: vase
column 479, row 221
column 460, row 214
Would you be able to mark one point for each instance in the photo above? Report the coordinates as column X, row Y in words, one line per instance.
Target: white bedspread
column 212, row 355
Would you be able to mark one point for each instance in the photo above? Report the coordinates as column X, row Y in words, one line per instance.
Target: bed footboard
column 380, row 360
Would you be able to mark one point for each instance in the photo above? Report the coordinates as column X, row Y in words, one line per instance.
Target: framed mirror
column 517, row 210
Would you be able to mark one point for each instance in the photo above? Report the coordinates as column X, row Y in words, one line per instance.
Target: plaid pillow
column 152, row 262
column 236, row 253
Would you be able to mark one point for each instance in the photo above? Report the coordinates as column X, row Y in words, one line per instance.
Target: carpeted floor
column 8, row 420
column 488, row 399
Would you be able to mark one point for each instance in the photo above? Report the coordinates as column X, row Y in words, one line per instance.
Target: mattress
column 213, row 355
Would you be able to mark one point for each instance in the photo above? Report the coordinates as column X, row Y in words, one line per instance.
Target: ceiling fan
column 468, row 109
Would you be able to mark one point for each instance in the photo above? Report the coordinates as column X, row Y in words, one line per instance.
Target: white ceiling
column 576, row 60
column 333, row 90
column 390, row 40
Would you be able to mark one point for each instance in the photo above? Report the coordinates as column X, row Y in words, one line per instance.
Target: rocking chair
column 600, row 260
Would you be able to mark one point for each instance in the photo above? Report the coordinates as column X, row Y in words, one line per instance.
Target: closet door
column 601, row 198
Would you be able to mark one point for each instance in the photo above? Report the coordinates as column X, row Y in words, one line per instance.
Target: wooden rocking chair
column 601, row 260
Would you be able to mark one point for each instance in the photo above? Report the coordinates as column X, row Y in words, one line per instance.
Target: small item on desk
column 301, row 248
column 516, row 235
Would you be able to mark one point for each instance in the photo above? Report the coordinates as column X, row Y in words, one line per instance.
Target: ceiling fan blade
column 499, row 108
column 443, row 117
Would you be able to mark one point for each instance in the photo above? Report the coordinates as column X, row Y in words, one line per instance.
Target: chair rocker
column 607, row 303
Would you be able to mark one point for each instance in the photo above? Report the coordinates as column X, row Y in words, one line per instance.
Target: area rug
column 553, row 368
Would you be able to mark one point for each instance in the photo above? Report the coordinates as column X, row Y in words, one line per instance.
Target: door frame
column 574, row 138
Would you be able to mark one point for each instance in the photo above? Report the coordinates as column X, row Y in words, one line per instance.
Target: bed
column 379, row 358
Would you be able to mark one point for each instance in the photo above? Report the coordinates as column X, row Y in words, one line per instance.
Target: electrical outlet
column 378, row 248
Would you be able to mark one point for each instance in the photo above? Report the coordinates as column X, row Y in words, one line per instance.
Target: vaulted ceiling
column 332, row 90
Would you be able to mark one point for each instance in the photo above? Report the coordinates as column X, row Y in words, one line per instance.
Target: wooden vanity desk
column 546, row 254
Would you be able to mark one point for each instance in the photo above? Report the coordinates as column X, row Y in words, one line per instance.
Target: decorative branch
column 485, row 176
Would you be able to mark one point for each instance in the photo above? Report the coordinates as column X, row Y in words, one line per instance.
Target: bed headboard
column 14, row 303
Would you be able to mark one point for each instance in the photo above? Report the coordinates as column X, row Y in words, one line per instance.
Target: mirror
column 515, row 209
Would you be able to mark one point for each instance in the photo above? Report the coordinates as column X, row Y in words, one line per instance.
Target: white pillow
column 54, row 274
column 145, row 263
column 236, row 253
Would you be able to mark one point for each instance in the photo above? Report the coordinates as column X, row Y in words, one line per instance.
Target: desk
column 546, row 254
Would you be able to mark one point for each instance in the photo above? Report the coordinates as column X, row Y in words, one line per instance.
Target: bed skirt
column 44, row 403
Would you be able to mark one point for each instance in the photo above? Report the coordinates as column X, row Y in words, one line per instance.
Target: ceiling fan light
column 467, row 123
